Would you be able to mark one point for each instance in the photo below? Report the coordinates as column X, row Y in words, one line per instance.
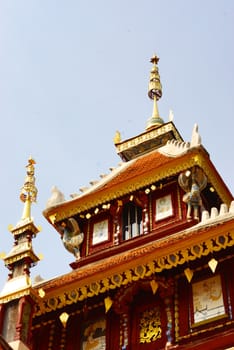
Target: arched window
column 132, row 221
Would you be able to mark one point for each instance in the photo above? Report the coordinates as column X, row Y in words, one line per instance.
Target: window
column 132, row 221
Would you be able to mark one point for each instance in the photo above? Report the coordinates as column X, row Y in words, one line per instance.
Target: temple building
column 152, row 244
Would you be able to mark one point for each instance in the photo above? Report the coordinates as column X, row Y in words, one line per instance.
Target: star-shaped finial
column 154, row 59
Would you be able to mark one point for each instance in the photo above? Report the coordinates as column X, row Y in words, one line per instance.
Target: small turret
column 17, row 297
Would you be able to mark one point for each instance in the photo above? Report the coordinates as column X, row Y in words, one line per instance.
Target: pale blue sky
column 73, row 72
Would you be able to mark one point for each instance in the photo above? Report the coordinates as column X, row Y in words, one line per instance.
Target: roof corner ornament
column 196, row 138
column 154, row 93
column 57, row 197
column 193, row 182
column 72, row 236
column 171, row 115
column 28, row 193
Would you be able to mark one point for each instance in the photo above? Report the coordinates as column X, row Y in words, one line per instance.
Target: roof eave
column 195, row 156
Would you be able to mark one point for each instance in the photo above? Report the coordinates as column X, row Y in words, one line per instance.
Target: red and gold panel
column 149, row 323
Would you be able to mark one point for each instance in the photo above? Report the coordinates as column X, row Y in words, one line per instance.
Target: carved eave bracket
column 71, row 236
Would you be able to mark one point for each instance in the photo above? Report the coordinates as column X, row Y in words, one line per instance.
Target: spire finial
column 154, row 93
column 28, row 193
column 154, row 59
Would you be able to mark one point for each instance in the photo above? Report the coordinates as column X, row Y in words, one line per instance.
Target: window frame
column 130, row 220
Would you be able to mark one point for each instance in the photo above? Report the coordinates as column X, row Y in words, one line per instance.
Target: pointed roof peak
column 154, row 59
column 157, row 131
column 28, row 193
column 21, row 257
column 154, row 93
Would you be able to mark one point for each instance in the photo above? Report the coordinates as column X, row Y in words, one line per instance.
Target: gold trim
column 176, row 311
column 18, row 294
column 151, row 212
column 24, row 227
column 18, row 257
column 146, row 136
column 179, row 202
column 51, row 336
column 88, row 239
column 63, row 338
column 213, row 319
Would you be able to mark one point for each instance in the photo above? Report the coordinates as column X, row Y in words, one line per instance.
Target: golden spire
column 155, row 93
column 28, row 192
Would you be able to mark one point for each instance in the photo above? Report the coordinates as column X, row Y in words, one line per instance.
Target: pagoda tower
column 17, row 298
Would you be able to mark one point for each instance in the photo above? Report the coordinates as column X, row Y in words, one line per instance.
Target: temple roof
column 152, row 167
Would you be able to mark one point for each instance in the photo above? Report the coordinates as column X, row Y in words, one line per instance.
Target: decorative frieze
column 165, row 262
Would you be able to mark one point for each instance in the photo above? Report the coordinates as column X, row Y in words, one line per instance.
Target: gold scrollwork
column 150, row 325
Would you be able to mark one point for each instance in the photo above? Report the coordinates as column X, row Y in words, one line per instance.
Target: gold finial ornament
column 28, row 193
column 154, row 93
column 117, row 137
column 155, row 87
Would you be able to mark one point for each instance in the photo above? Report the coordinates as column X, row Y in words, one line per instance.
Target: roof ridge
column 95, row 184
column 214, row 215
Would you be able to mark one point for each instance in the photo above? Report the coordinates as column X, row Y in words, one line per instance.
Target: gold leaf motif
column 189, row 274
column 213, row 264
column 108, row 303
column 63, row 318
column 154, row 286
